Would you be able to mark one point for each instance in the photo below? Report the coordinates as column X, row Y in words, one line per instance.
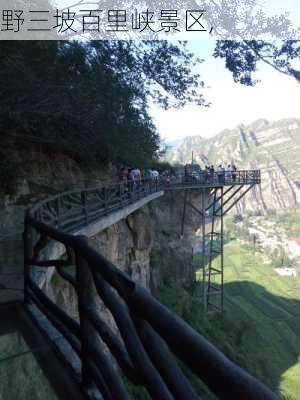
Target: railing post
column 105, row 199
column 132, row 191
column 121, row 191
column 57, row 209
column 86, row 298
column 27, row 244
column 84, row 206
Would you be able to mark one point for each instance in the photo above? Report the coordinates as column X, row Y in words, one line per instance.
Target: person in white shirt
column 136, row 175
column 155, row 174
column 228, row 173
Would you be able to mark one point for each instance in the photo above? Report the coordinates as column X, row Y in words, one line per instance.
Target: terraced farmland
column 260, row 329
column 271, row 304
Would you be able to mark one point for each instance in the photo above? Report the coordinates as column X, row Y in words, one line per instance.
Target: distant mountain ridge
column 174, row 144
column 273, row 147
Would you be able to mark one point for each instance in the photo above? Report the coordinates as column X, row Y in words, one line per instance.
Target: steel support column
column 212, row 252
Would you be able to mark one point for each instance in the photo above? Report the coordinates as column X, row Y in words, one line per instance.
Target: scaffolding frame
column 213, row 248
column 216, row 202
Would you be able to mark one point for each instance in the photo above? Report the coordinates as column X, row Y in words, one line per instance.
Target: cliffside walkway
column 69, row 211
column 147, row 338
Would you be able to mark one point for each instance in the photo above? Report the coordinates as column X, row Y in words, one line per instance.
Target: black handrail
column 142, row 321
column 152, row 336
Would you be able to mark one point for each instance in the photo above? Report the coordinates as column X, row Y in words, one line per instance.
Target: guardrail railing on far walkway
column 149, row 339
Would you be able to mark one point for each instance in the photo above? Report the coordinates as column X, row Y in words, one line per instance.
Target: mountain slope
column 272, row 147
column 260, row 328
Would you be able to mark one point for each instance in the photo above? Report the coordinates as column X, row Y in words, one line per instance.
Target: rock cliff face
column 39, row 176
column 36, row 176
column 147, row 245
column 272, row 147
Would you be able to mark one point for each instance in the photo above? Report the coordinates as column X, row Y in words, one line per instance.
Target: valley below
column 260, row 328
column 267, row 305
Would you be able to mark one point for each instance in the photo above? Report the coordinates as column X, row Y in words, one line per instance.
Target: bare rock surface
column 272, row 147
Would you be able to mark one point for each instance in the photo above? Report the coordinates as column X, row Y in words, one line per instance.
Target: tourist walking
column 234, row 172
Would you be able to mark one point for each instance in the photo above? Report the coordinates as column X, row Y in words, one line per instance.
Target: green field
column 290, row 221
column 260, row 329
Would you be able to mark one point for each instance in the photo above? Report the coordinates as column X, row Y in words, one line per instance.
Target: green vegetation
column 90, row 100
column 20, row 374
column 289, row 221
column 56, row 279
column 260, row 329
column 135, row 392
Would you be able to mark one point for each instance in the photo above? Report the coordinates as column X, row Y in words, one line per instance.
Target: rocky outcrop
column 127, row 245
column 37, row 176
column 147, row 245
column 272, row 147
column 40, row 176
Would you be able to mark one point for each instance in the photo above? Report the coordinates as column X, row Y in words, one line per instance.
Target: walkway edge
column 105, row 222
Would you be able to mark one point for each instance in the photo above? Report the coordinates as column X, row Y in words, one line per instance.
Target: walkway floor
column 28, row 367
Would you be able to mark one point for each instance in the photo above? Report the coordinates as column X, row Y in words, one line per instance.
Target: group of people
column 135, row 175
column 221, row 173
column 211, row 173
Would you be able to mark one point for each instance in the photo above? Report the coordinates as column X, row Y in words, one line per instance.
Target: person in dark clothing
column 211, row 173
column 123, row 174
column 234, row 172
column 220, row 173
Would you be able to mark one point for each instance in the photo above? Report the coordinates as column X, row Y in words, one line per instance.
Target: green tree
column 90, row 100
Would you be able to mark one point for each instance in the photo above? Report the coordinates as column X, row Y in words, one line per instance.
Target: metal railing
column 149, row 339
column 217, row 178
column 75, row 208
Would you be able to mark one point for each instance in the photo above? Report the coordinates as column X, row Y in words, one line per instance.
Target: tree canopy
column 91, row 99
column 242, row 57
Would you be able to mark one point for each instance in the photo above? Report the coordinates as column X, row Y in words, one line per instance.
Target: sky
column 277, row 96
